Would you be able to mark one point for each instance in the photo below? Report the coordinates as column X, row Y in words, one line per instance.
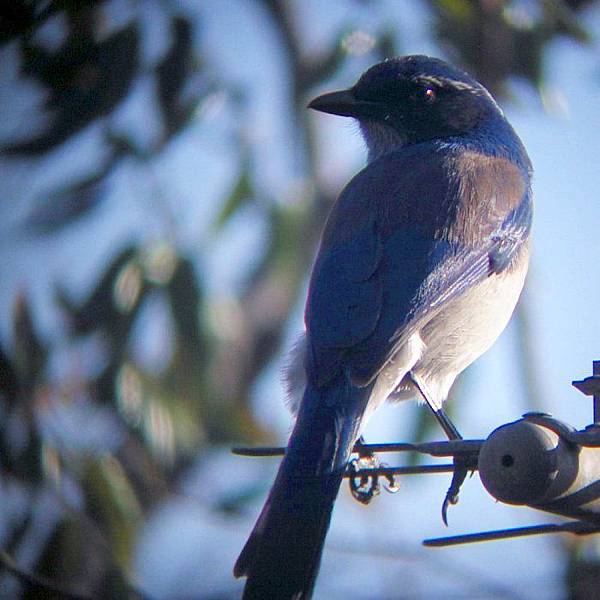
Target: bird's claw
column 450, row 499
column 365, row 485
column 391, row 486
column 461, row 469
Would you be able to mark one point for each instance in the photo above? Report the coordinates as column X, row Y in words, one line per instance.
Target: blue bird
column 420, row 266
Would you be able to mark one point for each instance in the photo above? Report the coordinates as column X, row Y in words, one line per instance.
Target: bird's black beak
column 342, row 103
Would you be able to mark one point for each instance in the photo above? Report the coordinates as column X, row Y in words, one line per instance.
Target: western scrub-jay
column 420, row 266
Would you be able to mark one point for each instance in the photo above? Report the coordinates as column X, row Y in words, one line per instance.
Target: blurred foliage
column 161, row 419
column 496, row 40
column 583, row 569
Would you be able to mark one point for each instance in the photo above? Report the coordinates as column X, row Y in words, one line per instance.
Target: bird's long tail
column 282, row 555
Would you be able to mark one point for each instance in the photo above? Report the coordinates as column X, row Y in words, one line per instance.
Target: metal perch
column 536, row 461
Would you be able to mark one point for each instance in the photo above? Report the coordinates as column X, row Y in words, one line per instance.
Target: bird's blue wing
column 410, row 233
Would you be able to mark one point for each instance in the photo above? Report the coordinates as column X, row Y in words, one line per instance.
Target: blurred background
column 163, row 190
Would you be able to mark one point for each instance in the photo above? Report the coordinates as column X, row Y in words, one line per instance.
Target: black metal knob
column 526, row 463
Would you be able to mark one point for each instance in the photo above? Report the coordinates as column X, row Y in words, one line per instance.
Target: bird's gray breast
column 466, row 328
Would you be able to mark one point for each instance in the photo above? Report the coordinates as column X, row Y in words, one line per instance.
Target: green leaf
column 241, row 192
column 99, row 309
column 9, row 382
column 113, row 503
column 29, row 354
column 84, row 81
column 67, row 204
column 179, row 89
column 187, row 302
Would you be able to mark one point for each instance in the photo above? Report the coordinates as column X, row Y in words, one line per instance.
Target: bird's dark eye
column 429, row 95
column 424, row 94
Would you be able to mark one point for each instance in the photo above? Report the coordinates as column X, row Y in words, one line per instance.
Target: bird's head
column 411, row 99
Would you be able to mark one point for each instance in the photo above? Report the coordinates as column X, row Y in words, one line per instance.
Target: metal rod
column 596, row 372
column 414, row 470
column 590, row 386
column 576, row 527
column 450, row 448
column 259, row 451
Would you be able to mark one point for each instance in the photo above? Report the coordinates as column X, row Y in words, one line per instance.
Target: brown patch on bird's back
column 489, row 188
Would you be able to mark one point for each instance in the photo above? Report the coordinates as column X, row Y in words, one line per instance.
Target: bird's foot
column 461, row 469
column 364, row 483
column 364, row 486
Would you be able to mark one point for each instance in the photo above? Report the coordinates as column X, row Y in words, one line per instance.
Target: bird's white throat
column 380, row 138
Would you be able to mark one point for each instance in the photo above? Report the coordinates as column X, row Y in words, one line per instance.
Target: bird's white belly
column 444, row 347
column 464, row 330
